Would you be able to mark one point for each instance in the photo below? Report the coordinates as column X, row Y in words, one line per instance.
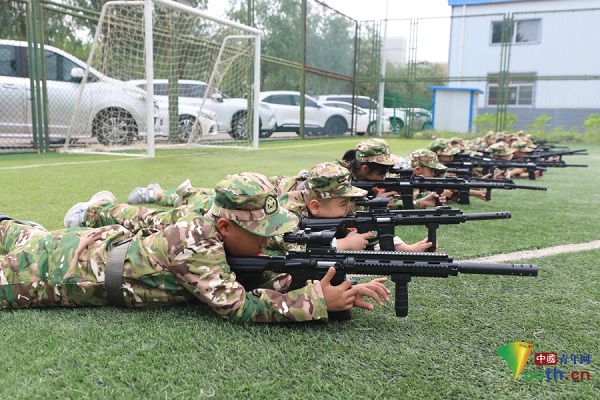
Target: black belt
column 113, row 276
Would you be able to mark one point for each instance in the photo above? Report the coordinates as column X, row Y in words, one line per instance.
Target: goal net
column 164, row 74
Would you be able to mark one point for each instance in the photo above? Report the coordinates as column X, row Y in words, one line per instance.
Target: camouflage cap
column 425, row 158
column 375, row 151
column 329, row 180
column 490, row 135
column 500, row 149
column 442, row 146
column 249, row 199
column 456, row 141
column 522, row 146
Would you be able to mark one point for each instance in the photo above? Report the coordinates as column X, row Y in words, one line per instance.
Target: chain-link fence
column 527, row 65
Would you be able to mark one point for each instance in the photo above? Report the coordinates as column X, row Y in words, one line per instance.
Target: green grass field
column 445, row 348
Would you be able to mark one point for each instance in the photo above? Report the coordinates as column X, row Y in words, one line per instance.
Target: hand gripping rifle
column 384, row 222
column 313, row 264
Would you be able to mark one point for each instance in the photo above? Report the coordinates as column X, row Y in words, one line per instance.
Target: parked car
column 395, row 117
column 364, row 120
column 361, row 117
column 111, row 110
column 207, row 121
column 231, row 113
column 364, row 102
column 317, row 117
column 421, row 118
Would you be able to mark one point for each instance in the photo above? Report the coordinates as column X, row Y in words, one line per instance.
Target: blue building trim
column 471, row 107
column 481, row 2
column 433, row 108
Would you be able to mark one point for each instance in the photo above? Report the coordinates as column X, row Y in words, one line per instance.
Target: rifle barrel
column 498, row 269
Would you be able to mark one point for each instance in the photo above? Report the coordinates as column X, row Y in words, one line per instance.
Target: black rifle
column 405, row 187
column 559, row 153
column 384, row 222
column 546, row 161
column 313, row 264
column 489, row 164
column 370, row 202
column 508, row 183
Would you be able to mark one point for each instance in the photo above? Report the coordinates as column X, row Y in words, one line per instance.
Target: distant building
column 548, row 54
column 395, row 50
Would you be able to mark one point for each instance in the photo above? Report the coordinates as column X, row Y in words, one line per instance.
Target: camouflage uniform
column 522, row 146
column 426, row 158
column 443, row 146
column 324, row 181
column 500, row 149
column 135, row 217
column 375, row 151
column 184, row 262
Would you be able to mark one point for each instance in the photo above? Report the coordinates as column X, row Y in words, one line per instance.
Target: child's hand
column 340, row 297
column 375, row 290
column 354, row 241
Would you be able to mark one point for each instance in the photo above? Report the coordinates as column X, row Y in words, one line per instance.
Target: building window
column 520, row 90
column 525, row 31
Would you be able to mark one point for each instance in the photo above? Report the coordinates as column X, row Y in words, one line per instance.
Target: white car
column 317, row 118
column 110, row 109
column 365, row 121
column 231, row 114
column 362, row 119
column 207, row 122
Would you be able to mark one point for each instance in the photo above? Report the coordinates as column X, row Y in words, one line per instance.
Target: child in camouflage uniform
column 371, row 161
column 327, row 192
column 445, row 152
column 185, row 262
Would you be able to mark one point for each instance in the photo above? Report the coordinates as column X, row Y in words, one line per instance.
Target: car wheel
column 335, row 126
column 396, row 125
column 265, row 134
column 427, row 126
column 186, row 126
column 239, row 126
column 372, row 128
column 114, row 126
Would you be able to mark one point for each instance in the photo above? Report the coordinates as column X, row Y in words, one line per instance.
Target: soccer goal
column 161, row 73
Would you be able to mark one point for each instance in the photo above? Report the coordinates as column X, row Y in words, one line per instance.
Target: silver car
column 231, row 113
column 111, row 110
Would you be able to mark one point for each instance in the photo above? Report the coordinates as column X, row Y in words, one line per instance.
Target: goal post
column 161, row 73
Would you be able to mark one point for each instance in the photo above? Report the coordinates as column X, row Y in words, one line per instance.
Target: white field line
column 60, row 164
column 128, row 158
column 526, row 254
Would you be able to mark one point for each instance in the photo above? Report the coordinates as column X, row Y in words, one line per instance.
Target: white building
column 550, row 57
column 395, row 50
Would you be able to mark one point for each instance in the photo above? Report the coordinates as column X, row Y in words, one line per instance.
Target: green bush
column 591, row 128
column 540, row 126
column 487, row 122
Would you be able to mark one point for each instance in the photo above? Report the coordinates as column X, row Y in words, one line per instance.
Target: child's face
column 331, row 208
column 506, row 157
column 520, row 154
column 422, row 170
column 239, row 242
column 372, row 175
